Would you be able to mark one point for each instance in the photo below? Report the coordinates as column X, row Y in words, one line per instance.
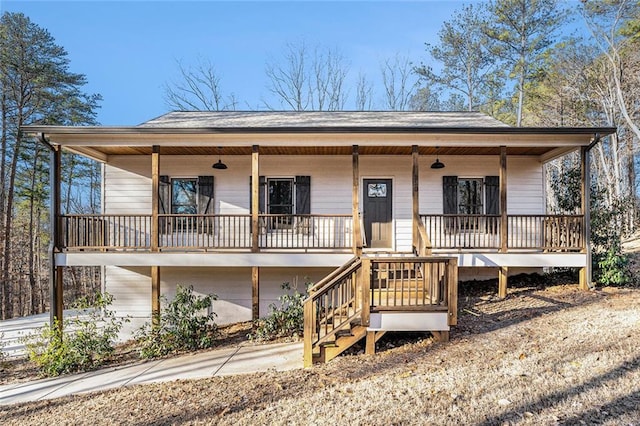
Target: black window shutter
column 303, row 194
column 164, row 195
column 492, row 194
column 261, row 194
column 205, row 195
column 450, row 194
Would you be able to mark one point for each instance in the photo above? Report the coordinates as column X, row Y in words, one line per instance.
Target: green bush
column 613, row 267
column 84, row 343
column 182, row 325
column 286, row 320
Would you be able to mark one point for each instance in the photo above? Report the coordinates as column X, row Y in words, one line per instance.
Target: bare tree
column 308, row 79
column 364, row 93
column 399, row 81
column 197, row 88
column 607, row 22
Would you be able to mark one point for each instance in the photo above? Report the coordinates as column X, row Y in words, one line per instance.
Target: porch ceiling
column 317, row 150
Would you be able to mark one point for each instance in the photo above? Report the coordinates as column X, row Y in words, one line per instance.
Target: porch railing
column 524, row 232
column 202, row 232
column 86, row 231
column 308, row 231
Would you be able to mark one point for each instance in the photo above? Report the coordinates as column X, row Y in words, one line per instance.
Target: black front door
column 377, row 212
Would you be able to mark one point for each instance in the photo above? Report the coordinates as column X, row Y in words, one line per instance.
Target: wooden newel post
column 452, row 295
column 365, row 287
column 309, row 321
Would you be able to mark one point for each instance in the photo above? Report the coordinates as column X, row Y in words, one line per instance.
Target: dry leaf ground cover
column 542, row 356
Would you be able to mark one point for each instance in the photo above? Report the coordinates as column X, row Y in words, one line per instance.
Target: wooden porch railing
column 222, row 231
column 411, row 283
column 86, row 231
column 308, row 231
column 332, row 305
column 204, row 231
column 344, row 299
column 524, row 232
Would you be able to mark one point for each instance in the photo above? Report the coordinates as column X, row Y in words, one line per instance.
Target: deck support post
column 155, row 295
column 355, row 202
column 255, row 197
column 585, row 278
column 503, row 274
column 370, row 343
column 255, row 293
column 504, row 225
column 415, row 185
column 56, row 276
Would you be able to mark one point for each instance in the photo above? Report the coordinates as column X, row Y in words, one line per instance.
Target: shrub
column 182, row 325
column 286, row 320
column 613, row 267
column 84, row 343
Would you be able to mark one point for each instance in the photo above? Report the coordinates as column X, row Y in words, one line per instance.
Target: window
column 470, row 196
column 280, row 196
column 184, row 196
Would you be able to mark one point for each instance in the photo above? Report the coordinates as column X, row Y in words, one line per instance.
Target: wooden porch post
column 56, row 302
column 503, row 273
column 255, row 293
column 155, row 187
column 585, row 189
column 355, row 197
column 255, row 197
column 504, row 231
column 155, row 234
column 415, row 178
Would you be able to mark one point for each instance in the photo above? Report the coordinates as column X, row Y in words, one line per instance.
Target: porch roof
column 319, row 133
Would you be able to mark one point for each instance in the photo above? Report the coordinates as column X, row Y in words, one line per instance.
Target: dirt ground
column 542, row 356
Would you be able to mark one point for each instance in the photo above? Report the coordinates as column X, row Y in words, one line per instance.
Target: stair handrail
column 338, row 271
column 423, row 244
column 332, row 280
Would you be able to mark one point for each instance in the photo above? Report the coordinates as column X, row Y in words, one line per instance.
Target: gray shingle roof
column 324, row 119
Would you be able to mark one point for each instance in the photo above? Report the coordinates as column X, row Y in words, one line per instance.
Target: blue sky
column 128, row 50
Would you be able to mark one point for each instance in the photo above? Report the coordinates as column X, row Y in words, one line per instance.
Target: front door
column 377, row 212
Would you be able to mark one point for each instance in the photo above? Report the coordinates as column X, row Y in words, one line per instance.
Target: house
column 381, row 210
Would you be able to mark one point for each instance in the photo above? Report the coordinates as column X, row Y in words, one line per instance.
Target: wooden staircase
column 401, row 293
